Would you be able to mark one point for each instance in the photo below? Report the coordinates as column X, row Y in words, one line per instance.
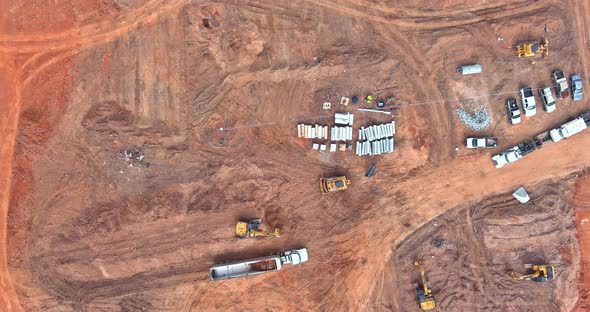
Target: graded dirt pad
column 481, row 244
column 209, row 114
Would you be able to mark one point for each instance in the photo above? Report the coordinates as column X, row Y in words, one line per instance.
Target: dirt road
column 89, row 228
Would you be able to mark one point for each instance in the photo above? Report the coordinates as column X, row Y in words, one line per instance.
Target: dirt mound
column 482, row 243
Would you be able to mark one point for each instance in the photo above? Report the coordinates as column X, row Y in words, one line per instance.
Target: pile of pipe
column 312, row 132
column 377, row 132
column 341, row 134
column 374, row 147
column 376, row 139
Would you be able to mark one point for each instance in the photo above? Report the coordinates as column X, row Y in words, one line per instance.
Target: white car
column 528, row 101
column 548, row 99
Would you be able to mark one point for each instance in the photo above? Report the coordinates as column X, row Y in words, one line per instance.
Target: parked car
column 487, row 142
column 562, row 87
column 548, row 99
column 577, row 87
column 528, row 101
column 513, row 110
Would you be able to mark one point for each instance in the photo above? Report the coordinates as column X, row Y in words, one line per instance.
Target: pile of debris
column 478, row 119
column 134, row 157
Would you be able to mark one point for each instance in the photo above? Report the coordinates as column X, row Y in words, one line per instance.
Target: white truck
column 528, row 146
column 506, row 157
column 568, row 129
column 486, row 142
column 256, row 266
column 528, row 101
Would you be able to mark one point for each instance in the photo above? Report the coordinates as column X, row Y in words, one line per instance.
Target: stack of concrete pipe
column 376, row 139
column 341, row 133
column 312, row 132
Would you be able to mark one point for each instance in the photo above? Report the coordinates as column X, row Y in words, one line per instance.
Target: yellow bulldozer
column 335, row 184
column 424, row 293
column 252, row 229
column 531, row 49
column 541, row 273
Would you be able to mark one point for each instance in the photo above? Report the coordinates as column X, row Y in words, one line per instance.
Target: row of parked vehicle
column 528, row 98
column 529, row 105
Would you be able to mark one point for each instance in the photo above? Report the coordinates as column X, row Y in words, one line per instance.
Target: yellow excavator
column 424, row 294
column 530, row 49
column 252, row 229
column 335, row 184
column 541, row 273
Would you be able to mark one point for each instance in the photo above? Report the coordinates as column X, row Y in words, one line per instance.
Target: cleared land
column 87, row 80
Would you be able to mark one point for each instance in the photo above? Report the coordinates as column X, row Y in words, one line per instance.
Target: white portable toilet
column 470, row 69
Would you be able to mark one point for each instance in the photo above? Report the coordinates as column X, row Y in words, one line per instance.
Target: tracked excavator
column 531, row 49
column 424, row 293
column 335, row 184
column 252, row 229
column 541, row 273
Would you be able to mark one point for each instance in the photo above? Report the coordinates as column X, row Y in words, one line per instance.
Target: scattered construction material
column 532, row 49
column 312, row 132
column 327, row 105
column 334, row 184
column 344, row 119
column 260, row 265
column 469, row 69
column 424, row 293
column 438, row 241
column 355, row 99
column 344, row 101
column 315, row 146
column 332, row 148
column 341, row 133
column 541, row 273
column 528, row 146
column 373, row 111
column 478, row 120
column 521, row 195
column 252, row 228
column 369, row 99
column 371, row 171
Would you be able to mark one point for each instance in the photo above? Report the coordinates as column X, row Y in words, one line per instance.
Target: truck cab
column 528, row 101
column 548, row 99
column 577, row 87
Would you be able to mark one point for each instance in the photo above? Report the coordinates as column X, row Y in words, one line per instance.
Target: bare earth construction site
column 134, row 134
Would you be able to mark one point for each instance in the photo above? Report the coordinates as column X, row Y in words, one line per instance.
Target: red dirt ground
column 83, row 230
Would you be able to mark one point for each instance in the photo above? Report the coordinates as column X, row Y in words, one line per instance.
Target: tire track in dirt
column 425, row 21
column 76, row 39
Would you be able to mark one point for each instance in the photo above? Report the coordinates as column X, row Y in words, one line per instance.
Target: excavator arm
column 518, row 277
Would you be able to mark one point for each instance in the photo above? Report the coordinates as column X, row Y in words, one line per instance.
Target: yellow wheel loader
column 335, row 184
column 424, row 293
column 541, row 273
column 252, row 229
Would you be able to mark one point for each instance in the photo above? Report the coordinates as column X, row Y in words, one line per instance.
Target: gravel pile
column 474, row 116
